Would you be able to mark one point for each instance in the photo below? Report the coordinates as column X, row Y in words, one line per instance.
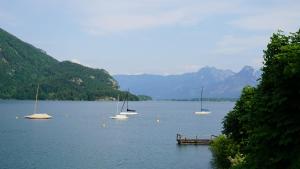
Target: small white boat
column 128, row 113
column 202, row 112
column 119, row 117
column 39, row 116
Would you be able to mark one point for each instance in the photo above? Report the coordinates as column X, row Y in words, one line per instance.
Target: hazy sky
column 151, row 36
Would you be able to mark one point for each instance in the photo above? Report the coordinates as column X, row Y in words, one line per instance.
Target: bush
column 223, row 149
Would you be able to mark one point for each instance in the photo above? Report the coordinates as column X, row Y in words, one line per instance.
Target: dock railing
column 195, row 141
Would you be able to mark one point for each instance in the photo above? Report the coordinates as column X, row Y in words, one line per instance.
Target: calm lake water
column 82, row 136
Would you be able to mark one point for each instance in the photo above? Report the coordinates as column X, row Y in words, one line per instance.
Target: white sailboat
column 127, row 111
column 36, row 115
column 202, row 111
column 119, row 116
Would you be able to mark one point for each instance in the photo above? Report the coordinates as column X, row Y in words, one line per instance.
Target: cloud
column 233, row 44
column 242, row 49
column 284, row 16
column 118, row 23
column 104, row 17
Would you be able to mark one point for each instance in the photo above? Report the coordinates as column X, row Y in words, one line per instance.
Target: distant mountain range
column 23, row 67
column 217, row 83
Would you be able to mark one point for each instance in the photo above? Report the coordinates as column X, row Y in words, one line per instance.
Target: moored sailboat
column 127, row 111
column 119, row 116
column 36, row 115
column 202, row 110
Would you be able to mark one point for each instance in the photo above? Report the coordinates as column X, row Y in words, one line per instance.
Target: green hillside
column 23, row 67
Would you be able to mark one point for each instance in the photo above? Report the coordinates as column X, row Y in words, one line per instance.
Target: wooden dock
column 193, row 141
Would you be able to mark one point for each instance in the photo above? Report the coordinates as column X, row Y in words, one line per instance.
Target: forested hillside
column 23, row 67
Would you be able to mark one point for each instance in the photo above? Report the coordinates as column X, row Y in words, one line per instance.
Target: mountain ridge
column 218, row 83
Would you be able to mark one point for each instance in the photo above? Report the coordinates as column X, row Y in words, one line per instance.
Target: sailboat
column 202, row 111
column 119, row 116
column 36, row 115
column 127, row 111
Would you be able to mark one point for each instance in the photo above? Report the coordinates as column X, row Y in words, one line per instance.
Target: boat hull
column 38, row 116
column 202, row 112
column 128, row 113
column 119, row 117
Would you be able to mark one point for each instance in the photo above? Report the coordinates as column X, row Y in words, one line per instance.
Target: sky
column 151, row 36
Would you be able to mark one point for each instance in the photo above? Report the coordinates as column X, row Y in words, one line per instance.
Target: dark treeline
column 263, row 129
column 144, row 98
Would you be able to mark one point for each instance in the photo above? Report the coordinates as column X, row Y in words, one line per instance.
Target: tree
column 274, row 141
column 236, row 122
column 265, row 122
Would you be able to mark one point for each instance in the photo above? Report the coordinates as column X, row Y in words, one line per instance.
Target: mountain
column 23, row 67
column 217, row 83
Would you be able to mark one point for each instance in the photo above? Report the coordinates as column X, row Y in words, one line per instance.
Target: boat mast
column 118, row 105
column 123, row 104
column 127, row 100
column 201, row 97
column 36, row 99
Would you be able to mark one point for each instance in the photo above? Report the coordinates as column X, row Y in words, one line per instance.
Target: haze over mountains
column 217, row 83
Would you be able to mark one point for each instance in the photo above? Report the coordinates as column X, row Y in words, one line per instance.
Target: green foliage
column 264, row 123
column 275, row 139
column 223, row 149
column 22, row 67
column 236, row 122
column 144, row 97
column 237, row 161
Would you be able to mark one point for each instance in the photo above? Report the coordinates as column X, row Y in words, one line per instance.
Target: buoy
column 157, row 120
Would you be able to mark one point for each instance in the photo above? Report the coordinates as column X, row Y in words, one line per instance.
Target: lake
column 82, row 136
